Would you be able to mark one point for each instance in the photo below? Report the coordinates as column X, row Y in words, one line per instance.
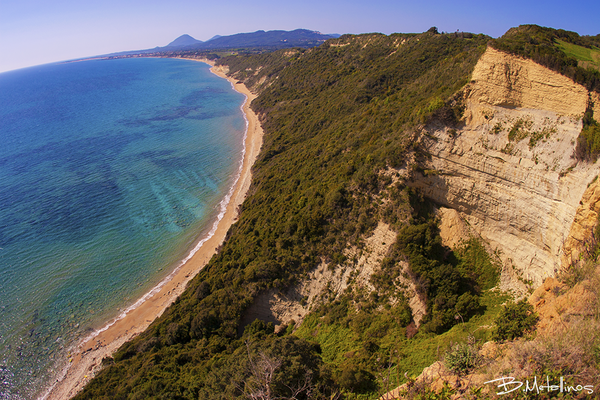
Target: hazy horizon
column 34, row 32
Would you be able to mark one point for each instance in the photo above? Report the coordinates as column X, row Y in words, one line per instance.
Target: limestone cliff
column 506, row 174
column 508, row 168
column 504, row 80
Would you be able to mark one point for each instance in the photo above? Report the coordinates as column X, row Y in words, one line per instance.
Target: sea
column 111, row 172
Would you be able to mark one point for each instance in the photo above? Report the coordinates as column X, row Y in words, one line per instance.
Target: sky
column 34, row 32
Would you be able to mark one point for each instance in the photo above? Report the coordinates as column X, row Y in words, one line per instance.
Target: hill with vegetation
column 347, row 126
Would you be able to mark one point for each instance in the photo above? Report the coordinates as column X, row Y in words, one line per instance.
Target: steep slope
column 325, row 283
column 561, row 351
column 509, row 169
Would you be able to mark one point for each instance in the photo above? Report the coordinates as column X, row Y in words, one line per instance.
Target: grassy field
column 342, row 346
column 588, row 58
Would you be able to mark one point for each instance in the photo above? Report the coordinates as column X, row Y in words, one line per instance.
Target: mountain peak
column 184, row 40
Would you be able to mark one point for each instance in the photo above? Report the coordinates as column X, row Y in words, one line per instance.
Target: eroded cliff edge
column 506, row 173
column 508, row 168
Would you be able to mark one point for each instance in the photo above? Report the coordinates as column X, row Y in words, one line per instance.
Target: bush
column 449, row 288
column 355, row 379
column 259, row 328
column 571, row 355
column 476, row 264
column 462, row 358
column 176, row 333
column 514, row 321
column 588, row 143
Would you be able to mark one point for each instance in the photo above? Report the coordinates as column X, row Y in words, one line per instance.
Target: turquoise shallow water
column 110, row 172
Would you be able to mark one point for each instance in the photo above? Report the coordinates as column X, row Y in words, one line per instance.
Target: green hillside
column 335, row 118
column 587, row 57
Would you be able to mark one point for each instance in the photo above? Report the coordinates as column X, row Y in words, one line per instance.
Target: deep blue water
column 110, row 172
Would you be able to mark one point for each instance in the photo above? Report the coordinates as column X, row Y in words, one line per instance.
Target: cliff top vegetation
column 565, row 52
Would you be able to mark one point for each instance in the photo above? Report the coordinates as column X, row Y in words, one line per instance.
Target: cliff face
column 506, row 175
column 327, row 282
column 508, row 170
column 504, row 80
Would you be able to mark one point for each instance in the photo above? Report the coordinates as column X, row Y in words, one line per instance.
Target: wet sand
column 86, row 360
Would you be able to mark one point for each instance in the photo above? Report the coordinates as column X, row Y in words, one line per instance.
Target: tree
column 514, row 320
column 282, row 376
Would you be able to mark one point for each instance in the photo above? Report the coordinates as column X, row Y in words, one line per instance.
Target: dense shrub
column 476, row 264
column 354, row 379
column 514, row 321
column 451, row 295
column 588, row 142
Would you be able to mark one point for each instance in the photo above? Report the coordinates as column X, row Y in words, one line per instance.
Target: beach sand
column 86, row 359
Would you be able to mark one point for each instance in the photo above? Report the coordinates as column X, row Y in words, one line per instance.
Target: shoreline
column 87, row 356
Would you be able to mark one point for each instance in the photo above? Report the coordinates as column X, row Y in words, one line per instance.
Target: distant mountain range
column 270, row 40
column 295, row 38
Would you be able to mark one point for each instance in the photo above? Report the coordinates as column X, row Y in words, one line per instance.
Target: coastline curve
column 103, row 342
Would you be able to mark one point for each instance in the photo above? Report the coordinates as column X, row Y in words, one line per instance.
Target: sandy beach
column 85, row 361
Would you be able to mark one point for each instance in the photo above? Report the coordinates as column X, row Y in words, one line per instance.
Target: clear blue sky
column 35, row 32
